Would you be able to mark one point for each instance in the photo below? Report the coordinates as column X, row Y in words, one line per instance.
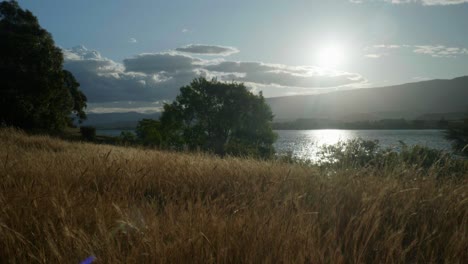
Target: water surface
column 305, row 143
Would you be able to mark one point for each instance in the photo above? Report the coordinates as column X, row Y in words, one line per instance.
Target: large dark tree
column 79, row 99
column 224, row 118
column 35, row 92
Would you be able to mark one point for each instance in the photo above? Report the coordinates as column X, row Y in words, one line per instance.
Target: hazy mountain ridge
column 408, row 101
column 427, row 100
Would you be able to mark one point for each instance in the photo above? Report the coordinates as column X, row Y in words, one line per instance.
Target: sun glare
column 331, row 55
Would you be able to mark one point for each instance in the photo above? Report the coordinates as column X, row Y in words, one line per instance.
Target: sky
column 135, row 55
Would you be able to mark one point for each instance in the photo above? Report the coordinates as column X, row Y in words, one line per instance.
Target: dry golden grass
column 61, row 202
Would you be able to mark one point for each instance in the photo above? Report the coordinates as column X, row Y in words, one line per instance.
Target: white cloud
column 126, row 106
column 439, row 51
column 137, row 109
column 208, row 49
column 393, row 46
column 132, row 40
column 104, row 80
column 374, row 56
column 160, row 62
column 153, row 77
column 420, row 78
column 444, row 2
column 284, row 75
column 436, row 51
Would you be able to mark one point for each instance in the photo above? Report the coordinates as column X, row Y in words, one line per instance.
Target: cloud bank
column 436, row 51
column 208, row 50
column 145, row 80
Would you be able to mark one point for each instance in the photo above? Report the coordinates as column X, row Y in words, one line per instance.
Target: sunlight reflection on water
column 305, row 144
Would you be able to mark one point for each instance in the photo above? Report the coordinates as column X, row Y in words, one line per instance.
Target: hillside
column 62, row 202
column 409, row 101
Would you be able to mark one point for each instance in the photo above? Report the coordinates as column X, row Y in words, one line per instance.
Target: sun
column 331, row 55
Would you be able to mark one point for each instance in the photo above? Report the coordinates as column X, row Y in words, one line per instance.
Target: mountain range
column 426, row 100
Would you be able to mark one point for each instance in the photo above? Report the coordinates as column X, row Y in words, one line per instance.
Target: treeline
column 303, row 124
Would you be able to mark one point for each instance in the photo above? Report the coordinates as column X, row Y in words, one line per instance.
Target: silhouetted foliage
column 458, row 134
column 359, row 153
column 223, row 118
column 88, row 132
column 148, row 132
column 35, row 92
column 127, row 137
column 79, row 99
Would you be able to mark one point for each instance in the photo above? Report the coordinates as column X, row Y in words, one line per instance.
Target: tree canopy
column 148, row 132
column 223, row 118
column 35, row 91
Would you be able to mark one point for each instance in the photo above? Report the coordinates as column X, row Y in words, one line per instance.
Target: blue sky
column 136, row 54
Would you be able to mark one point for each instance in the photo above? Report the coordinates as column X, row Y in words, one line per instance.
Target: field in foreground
column 62, row 202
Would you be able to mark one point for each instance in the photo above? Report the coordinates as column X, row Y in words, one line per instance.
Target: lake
column 304, row 144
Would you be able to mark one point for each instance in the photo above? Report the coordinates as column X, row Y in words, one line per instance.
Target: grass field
column 62, row 202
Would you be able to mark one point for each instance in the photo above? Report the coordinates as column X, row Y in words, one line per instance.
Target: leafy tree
column 79, row 99
column 127, row 137
column 148, row 132
column 35, row 92
column 458, row 134
column 224, row 118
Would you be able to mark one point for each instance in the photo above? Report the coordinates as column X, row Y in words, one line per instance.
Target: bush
column 88, row 132
column 458, row 135
column 127, row 137
column 356, row 152
column 359, row 153
column 148, row 132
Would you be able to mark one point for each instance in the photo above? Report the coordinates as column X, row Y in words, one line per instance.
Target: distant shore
column 384, row 124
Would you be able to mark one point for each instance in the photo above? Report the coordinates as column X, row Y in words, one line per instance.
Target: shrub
column 458, row 135
column 88, row 132
column 354, row 153
column 359, row 153
column 127, row 137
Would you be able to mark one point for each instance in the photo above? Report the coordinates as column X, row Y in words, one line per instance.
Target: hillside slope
column 62, row 202
column 401, row 101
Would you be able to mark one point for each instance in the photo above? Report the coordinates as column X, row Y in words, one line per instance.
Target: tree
column 223, row 118
column 458, row 134
column 148, row 132
column 127, row 137
column 35, row 92
column 79, row 99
